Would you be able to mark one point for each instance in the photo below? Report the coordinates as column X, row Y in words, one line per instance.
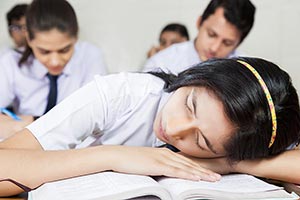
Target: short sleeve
column 73, row 120
column 109, row 110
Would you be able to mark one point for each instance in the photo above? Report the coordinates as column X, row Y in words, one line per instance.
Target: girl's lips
column 56, row 70
column 209, row 55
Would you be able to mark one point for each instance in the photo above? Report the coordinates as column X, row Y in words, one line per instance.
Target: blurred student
column 170, row 34
column 52, row 66
column 223, row 25
column 16, row 27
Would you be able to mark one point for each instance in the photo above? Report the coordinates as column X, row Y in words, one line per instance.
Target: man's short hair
column 240, row 13
column 16, row 13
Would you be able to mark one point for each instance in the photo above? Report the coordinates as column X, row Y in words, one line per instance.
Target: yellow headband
column 269, row 98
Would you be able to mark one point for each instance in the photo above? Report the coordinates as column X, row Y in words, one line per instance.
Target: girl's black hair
column 245, row 103
column 45, row 15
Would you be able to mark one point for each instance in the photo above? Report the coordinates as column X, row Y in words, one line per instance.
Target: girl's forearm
column 23, row 160
column 284, row 167
column 35, row 167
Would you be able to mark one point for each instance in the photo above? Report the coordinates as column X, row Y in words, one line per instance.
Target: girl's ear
column 199, row 22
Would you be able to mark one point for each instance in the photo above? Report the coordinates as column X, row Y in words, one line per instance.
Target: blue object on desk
column 10, row 114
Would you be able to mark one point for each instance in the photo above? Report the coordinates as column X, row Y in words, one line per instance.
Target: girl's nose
column 54, row 60
column 178, row 129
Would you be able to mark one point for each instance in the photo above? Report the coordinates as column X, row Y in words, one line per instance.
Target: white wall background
column 125, row 29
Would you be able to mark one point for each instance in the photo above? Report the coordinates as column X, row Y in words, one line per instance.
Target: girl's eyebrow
column 61, row 49
column 194, row 102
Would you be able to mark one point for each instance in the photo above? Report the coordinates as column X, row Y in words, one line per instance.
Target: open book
column 117, row 186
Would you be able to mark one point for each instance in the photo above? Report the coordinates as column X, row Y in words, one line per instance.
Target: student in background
column 17, row 30
column 170, row 34
column 53, row 65
column 244, row 111
column 17, row 26
column 223, row 25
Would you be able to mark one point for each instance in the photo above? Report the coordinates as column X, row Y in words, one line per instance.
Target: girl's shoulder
column 125, row 83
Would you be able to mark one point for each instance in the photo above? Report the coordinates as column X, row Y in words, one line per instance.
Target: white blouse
column 114, row 109
column 28, row 87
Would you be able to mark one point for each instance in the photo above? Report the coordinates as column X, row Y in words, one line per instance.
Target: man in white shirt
column 223, row 25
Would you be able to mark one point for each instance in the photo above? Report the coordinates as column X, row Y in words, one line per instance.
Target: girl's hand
column 219, row 165
column 157, row 162
column 9, row 126
column 152, row 51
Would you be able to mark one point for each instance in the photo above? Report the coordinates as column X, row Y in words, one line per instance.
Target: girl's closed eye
column 197, row 141
column 44, row 52
column 65, row 50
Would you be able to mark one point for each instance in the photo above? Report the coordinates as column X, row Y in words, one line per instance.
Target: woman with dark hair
column 53, row 65
column 170, row 34
column 241, row 113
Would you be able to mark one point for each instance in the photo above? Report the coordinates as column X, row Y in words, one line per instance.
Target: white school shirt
column 28, row 85
column 176, row 58
column 118, row 109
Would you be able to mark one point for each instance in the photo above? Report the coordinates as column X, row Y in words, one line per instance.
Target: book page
column 104, row 185
column 235, row 185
